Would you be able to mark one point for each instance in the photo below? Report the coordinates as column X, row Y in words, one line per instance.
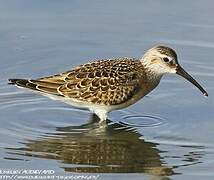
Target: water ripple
column 11, row 99
column 142, row 120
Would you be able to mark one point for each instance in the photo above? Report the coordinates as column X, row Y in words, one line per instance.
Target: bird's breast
column 143, row 89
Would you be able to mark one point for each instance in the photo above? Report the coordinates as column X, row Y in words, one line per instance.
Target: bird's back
column 106, row 82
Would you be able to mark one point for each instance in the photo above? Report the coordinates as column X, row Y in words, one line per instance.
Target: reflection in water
column 93, row 148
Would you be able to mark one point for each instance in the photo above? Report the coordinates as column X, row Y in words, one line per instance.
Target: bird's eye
column 165, row 59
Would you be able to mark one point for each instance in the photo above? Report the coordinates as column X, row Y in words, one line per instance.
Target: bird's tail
column 22, row 83
column 37, row 85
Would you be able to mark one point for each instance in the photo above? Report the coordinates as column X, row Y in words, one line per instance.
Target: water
column 167, row 135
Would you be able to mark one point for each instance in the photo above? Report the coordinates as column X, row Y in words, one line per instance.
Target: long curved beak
column 183, row 73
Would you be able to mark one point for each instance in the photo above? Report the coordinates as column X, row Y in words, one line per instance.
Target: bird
column 102, row 86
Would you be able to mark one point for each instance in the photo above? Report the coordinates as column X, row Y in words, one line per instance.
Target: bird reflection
column 115, row 148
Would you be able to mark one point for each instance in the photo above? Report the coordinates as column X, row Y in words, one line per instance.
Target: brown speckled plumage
column 108, row 82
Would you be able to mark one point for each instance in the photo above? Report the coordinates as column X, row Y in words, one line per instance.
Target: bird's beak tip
column 206, row 94
column 180, row 71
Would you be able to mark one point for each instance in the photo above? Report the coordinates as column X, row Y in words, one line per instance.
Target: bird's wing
column 108, row 82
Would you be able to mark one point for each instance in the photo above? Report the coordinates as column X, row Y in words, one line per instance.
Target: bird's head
column 161, row 60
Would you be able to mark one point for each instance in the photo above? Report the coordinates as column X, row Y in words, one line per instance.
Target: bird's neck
column 149, row 80
column 152, row 73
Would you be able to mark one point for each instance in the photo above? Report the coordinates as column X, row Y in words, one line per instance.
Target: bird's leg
column 102, row 114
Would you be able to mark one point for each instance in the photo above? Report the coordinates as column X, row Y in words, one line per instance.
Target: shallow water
column 167, row 135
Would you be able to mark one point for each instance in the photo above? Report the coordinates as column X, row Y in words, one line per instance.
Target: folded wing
column 108, row 82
